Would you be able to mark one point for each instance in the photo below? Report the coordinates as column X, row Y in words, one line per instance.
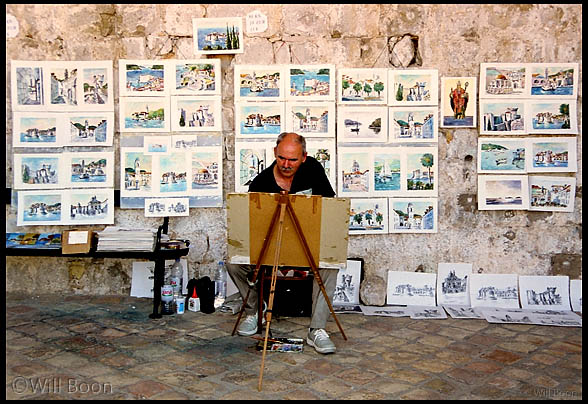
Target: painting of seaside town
column 173, row 174
column 502, row 80
column 89, row 129
column 553, row 154
column 37, row 171
column 218, row 35
column 207, row 171
column 142, row 77
column 362, row 124
column 311, row 119
column 196, row 113
column 311, row 82
column 257, row 119
column 324, row 151
column 494, row 290
column 63, row 87
column 501, row 155
column 97, row 85
column 136, row 171
column 413, row 87
column 40, row 129
column 27, row 85
column 368, row 216
column 421, row 171
column 458, row 108
column 413, row 124
column 259, row 83
column 411, row 288
column 366, row 86
column 553, row 117
column 413, row 215
column 251, row 158
column 502, row 118
column 555, row 194
column 197, row 77
column 503, row 192
column 386, row 171
column 452, row 285
column 144, row 114
column 90, row 170
column 554, row 80
column 354, row 172
column 39, row 207
column 545, row 292
column 92, row 206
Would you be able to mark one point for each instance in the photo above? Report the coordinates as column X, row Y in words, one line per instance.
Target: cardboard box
column 76, row 241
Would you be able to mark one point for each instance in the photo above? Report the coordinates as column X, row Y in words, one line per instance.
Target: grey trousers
column 320, row 308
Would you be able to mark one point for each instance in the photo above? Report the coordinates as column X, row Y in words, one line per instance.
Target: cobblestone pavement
column 106, row 347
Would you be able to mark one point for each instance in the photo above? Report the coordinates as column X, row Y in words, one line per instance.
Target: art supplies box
column 282, row 344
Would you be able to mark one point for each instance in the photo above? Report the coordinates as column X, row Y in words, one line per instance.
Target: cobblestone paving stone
column 106, row 347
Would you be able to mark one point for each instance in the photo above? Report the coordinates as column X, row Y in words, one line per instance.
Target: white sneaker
column 248, row 326
column 319, row 339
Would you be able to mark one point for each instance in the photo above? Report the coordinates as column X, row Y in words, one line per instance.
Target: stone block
column 566, row 264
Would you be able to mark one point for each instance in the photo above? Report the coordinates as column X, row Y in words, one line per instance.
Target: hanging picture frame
column 552, row 154
column 206, row 171
column 549, row 117
column 259, row 119
column 386, row 171
column 196, row 113
column 251, row 158
column 503, row 117
column 459, row 102
column 144, row 114
column 311, row 119
column 503, row 192
column 88, row 128
column 353, row 171
column 156, row 145
column 413, row 215
column 552, row 194
column 368, row 216
column 362, row 124
column 96, row 85
column 421, row 171
column 196, row 76
column 28, row 85
column 310, row 82
column 37, row 129
column 502, row 155
column 259, row 83
column 325, row 152
column 503, row 80
column 39, row 207
column 89, row 169
column 88, row 206
column 553, row 80
column 408, row 87
column 171, row 173
column 38, row 171
column 362, row 86
column 413, row 124
column 144, row 78
column 218, row 36
column 136, row 172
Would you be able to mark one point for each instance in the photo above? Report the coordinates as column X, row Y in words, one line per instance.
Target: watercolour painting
column 311, row 119
column 27, row 85
column 162, row 207
column 88, row 206
column 38, row 171
column 552, row 194
column 325, row 152
column 196, row 113
column 144, row 78
column 411, row 288
column 494, row 290
column 362, row 86
column 552, row 154
column 353, row 171
column 368, row 216
column 62, row 85
column 259, row 119
column 218, row 36
column 413, row 215
column 144, row 114
column 453, row 284
column 551, row 292
column 206, row 171
column 576, row 294
column 500, row 155
column 362, row 124
column 251, row 158
column 37, row 129
column 89, row 169
column 310, row 82
column 413, row 87
column 136, row 172
column 348, row 283
column 386, row 171
column 172, row 172
column 156, row 145
column 259, row 83
column 503, row 192
column 458, row 108
column 89, row 129
column 503, row 80
column 39, row 207
column 552, row 117
column 413, row 124
column 422, row 171
column 554, row 80
column 502, row 117
column 97, row 85
column 196, row 76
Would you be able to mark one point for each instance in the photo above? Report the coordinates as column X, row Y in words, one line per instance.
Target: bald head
column 292, row 137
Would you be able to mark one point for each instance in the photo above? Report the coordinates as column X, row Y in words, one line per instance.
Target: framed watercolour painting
column 27, row 85
column 136, row 172
column 353, row 168
column 386, row 171
column 550, row 292
column 38, row 171
column 552, row 117
column 311, row 119
column 499, row 155
column 362, row 124
column 553, row 194
column 259, row 119
column 251, row 158
column 144, row 114
column 171, row 174
column 503, row 80
column 37, row 129
column 503, row 192
column 458, row 109
column 39, row 207
column 552, row 154
column 218, row 36
column 502, row 117
column 413, row 124
column 206, row 177
column 144, row 78
column 554, row 80
column 494, row 290
column 196, row 113
column 422, row 171
column 325, row 152
column 89, row 169
column 196, row 76
column 413, row 215
column 88, row 206
column 411, row 288
column 259, row 83
column 89, row 128
column 413, row 87
column 97, row 86
column 362, row 86
column 310, row 82
column 368, row 216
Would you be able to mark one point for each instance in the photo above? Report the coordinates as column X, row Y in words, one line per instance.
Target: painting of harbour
column 501, row 155
column 142, row 78
column 506, row 118
column 90, row 206
column 144, row 114
column 555, row 154
column 369, row 86
column 218, row 35
column 37, row 170
column 64, row 86
column 362, row 124
column 551, row 80
column 503, row 192
column 198, row 76
column 354, row 170
column 502, row 80
column 311, row 82
column 368, row 216
column 206, row 170
column 39, row 207
column 38, row 130
column 413, row 124
column 27, row 85
column 413, row 215
column 137, row 169
column 173, row 169
column 89, row 169
column 258, row 82
column 387, row 172
column 556, row 194
column 553, row 117
column 255, row 119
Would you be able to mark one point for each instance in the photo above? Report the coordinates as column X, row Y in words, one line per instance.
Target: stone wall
column 454, row 39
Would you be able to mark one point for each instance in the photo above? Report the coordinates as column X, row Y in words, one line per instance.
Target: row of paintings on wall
column 522, row 192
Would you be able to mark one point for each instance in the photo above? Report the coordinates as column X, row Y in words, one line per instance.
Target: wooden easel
column 284, row 206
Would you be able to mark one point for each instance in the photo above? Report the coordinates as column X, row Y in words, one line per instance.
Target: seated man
column 295, row 172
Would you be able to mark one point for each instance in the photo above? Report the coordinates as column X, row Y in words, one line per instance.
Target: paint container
column 194, row 302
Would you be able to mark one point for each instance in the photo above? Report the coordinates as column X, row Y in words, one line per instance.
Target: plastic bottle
column 167, row 300
column 180, row 304
column 175, row 278
column 220, row 285
column 194, row 302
